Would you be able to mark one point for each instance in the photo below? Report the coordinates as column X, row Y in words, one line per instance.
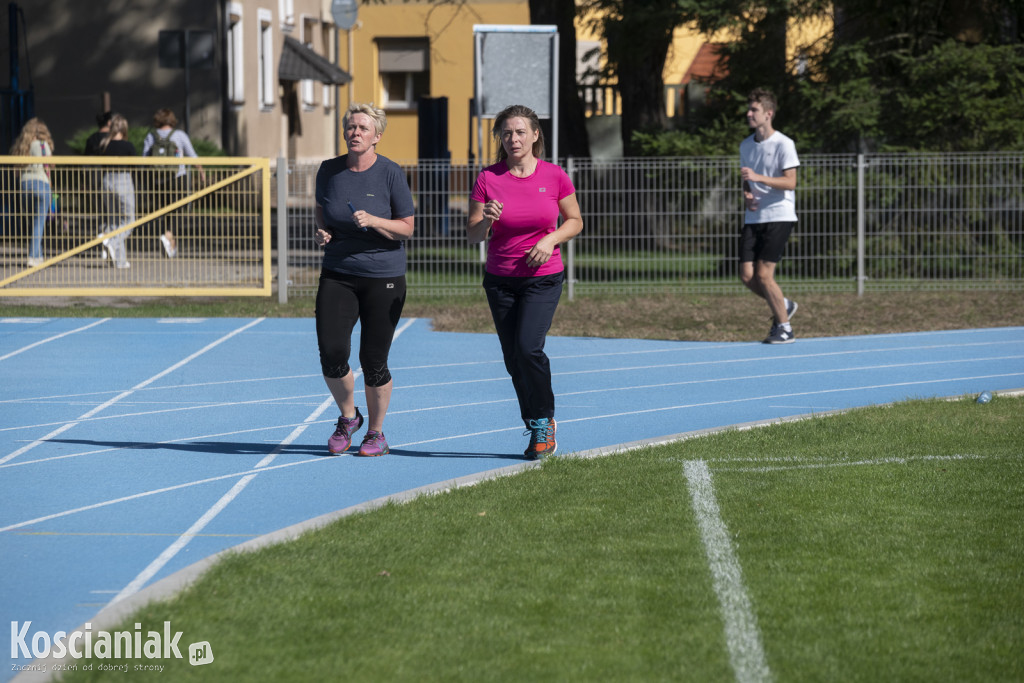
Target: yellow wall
column 450, row 30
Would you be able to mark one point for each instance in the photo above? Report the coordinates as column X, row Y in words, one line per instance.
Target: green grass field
column 882, row 544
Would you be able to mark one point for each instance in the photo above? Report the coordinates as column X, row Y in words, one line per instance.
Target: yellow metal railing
column 135, row 226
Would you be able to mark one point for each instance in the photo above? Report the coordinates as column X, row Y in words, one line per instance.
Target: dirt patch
column 725, row 317
column 743, row 317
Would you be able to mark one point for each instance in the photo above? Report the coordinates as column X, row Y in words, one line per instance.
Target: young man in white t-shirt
column 768, row 163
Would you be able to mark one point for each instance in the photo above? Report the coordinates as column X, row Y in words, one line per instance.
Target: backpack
column 163, row 146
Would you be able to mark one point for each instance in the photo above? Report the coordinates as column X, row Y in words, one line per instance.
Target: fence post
column 861, row 222
column 282, row 230
column 570, row 265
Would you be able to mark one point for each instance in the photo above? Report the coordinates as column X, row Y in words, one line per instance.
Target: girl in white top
column 35, row 140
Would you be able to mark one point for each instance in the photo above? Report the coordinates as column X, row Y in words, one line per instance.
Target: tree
column 932, row 74
column 941, row 75
column 572, row 123
column 638, row 34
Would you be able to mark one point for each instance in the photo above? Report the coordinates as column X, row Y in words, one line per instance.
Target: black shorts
column 376, row 303
column 764, row 241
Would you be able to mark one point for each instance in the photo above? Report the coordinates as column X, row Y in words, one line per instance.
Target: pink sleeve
column 479, row 193
column 565, row 186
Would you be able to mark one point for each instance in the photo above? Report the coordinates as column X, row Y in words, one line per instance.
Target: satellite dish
column 344, row 13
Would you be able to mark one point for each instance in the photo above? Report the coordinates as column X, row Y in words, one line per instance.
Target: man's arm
column 787, row 181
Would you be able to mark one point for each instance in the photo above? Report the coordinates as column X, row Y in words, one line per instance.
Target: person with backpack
column 166, row 141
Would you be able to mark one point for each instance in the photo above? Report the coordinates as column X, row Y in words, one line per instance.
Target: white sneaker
column 33, row 262
column 124, row 264
column 170, row 247
column 791, row 308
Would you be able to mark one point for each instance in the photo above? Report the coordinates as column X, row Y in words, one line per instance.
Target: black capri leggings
column 377, row 303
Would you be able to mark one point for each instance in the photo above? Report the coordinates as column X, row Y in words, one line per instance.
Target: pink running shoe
column 374, row 444
column 342, row 437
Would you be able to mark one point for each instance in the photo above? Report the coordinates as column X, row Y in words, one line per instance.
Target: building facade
column 259, row 83
column 272, row 78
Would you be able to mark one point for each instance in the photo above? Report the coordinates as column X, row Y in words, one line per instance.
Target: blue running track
column 131, row 449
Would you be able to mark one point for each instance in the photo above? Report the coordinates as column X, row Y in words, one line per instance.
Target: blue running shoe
column 542, row 439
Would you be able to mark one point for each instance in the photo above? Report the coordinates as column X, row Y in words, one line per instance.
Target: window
column 265, row 59
column 331, row 52
column 235, row 54
column 307, row 88
column 404, row 71
column 286, row 9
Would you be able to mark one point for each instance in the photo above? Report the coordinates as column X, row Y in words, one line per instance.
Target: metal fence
column 99, row 231
column 866, row 223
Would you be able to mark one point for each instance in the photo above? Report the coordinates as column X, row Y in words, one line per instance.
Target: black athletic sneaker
column 778, row 335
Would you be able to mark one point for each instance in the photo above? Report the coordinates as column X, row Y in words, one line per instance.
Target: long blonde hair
column 34, row 129
column 118, row 125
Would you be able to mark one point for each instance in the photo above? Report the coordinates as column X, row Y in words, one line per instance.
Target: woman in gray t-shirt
column 364, row 214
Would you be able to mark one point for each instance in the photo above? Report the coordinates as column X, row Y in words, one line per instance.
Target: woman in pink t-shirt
column 517, row 203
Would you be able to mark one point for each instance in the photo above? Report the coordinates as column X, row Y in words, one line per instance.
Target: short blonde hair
column 380, row 119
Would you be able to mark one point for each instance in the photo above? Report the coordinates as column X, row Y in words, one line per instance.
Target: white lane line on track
column 327, row 403
column 32, row 444
column 201, row 437
column 825, row 371
column 744, row 378
column 504, row 377
column 168, row 554
column 791, row 395
column 762, row 359
column 172, row 550
column 742, row 637
column 161, row 411
column 53, row 338
column 675, row 349
column 684, row 348
column 297, row 432
column 129, row 392
column 684, row 406
column 153, row 492
column 597, row 355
